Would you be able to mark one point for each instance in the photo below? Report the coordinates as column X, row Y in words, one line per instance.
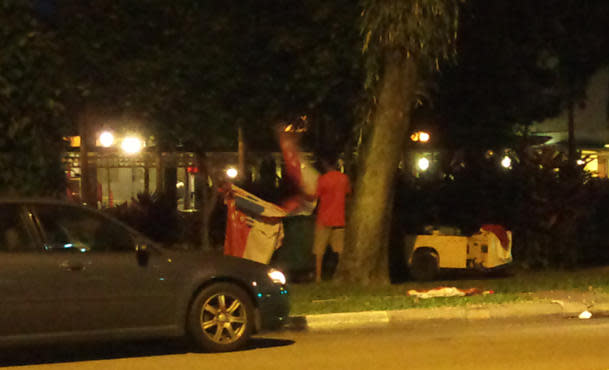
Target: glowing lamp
column 232, row 172
column 420, row 136
column 132, row 145
column 106, row 139
column 423, row 164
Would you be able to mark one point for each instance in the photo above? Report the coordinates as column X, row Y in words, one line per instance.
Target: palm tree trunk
column 366, row 253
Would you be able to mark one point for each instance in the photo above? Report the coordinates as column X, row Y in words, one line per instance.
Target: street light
column 506, row 162
column 132, row 145
column 423, row 164
column 106, row 139
column 420, row 136
column 232, row 172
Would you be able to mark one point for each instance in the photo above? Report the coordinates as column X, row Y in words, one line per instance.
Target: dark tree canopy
column 187, row 72
column 194, row 71
column 31, row 109
column 519, row 62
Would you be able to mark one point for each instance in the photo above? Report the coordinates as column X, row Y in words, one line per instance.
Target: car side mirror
column 142, row 254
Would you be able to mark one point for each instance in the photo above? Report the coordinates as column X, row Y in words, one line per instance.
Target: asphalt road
column 532, row 344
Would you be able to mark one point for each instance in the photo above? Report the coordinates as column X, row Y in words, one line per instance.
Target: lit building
column 121, row 175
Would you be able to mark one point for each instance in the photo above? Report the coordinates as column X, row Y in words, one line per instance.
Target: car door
column 34, row 300
column 112, row 287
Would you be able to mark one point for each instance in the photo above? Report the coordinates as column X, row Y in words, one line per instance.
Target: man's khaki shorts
column 324, row 235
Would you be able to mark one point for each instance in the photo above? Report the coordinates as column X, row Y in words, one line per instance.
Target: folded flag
column 254, row 229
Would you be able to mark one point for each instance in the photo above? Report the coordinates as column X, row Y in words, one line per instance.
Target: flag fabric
column 303, row 175
column 446, row 292
column 499, row 242
column 500, row 232
column 254, row 227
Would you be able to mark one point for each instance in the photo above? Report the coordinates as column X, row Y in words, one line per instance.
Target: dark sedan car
column 71, row 273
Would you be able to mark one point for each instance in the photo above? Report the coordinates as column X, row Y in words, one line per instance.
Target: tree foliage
column 575, row 41
column 519, row 62
column 31, row 103
column 189, row 73
column 425, row 30
column 193, row 71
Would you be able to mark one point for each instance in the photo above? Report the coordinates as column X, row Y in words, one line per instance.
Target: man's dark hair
column 327, row 159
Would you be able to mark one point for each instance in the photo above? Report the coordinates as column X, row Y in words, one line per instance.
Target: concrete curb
column 353, row 320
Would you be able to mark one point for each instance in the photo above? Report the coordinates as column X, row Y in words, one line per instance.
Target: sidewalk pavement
column 352, row 320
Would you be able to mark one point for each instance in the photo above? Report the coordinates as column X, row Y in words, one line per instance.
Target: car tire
column 424, row 266
column 221, row 318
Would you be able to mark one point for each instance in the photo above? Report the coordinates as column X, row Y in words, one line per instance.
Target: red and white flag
column 254, row 229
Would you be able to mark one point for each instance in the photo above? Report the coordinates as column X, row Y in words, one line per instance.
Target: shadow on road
column 259, row 343
column 53, row 354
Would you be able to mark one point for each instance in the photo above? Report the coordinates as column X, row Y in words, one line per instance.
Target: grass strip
column 331, row 297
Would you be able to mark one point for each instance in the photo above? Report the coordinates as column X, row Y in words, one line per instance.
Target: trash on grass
column 585, row 315
column 324, row 300
column 447, row 292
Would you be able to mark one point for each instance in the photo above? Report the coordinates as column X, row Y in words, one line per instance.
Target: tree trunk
column 241, row 153
column 169, row 174
column 170, row 179
column 572, row 154
column 88, row 164
column 207, row 199
column 366, row 253
column 158, row 158
column 146, row 174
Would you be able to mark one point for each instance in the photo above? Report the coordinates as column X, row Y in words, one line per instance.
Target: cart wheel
column 424, row 265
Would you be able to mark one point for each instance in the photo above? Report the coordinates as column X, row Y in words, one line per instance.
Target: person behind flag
column 332, row 190
column 301, row 175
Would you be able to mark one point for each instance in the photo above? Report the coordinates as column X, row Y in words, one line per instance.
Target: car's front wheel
column 221, row 318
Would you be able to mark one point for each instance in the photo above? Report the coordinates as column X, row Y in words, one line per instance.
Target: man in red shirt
column 332, row 189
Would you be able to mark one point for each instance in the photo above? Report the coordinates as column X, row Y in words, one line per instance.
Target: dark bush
column 558, row 214
column 155, row 216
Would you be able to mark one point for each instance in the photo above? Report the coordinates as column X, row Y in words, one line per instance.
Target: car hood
column 214, row 264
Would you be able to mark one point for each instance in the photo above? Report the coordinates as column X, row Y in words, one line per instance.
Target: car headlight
column 277, row 276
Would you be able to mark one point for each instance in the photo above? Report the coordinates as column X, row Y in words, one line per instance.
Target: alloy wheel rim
column 223, row 318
